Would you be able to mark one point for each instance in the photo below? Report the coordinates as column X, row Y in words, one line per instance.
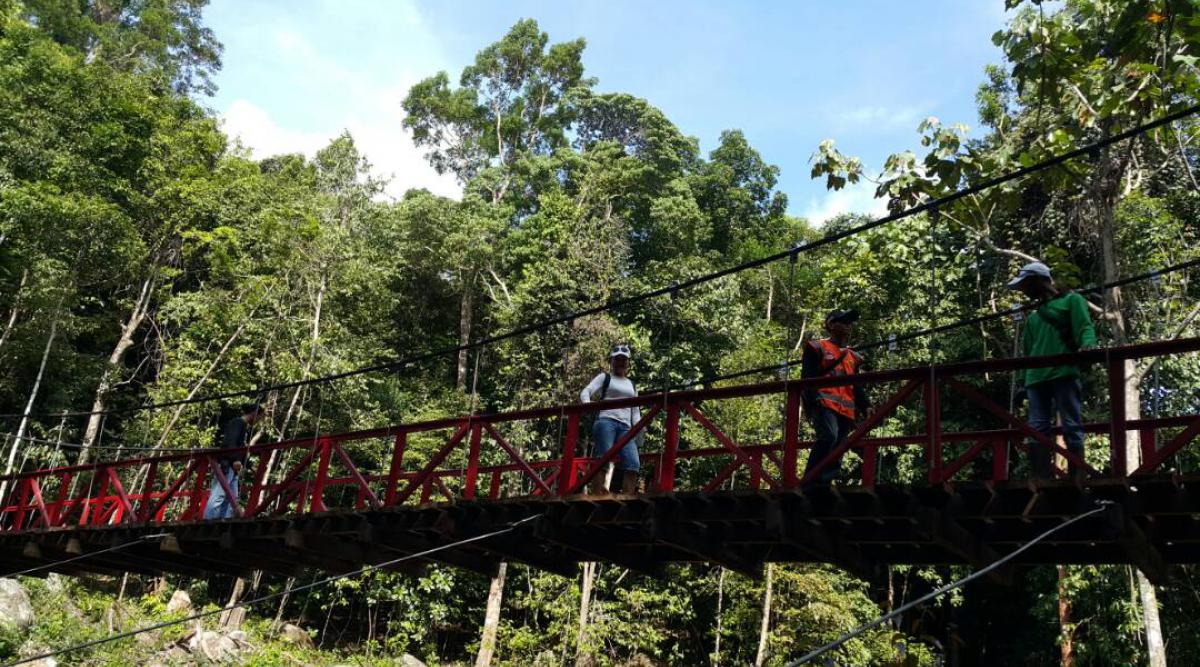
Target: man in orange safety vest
column 833, row 410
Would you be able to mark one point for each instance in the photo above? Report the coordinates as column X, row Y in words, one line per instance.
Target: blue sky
column 788, row 74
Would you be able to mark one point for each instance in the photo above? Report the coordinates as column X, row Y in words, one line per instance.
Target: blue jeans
column 1066, row 396
column 832, row 430
column 219, row 505
column 605, row 433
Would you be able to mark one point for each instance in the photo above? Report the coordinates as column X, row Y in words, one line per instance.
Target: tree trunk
column 16, row 309
column 716, row 659
column 1067, row 648
column 465, row 309
column 231, row 619
column 585, row 610
column 1105, row 199
column 212, row 367
column 491, row 619
column 138, row 315
column 765, row 629
column 318, row 307
column 33, row 393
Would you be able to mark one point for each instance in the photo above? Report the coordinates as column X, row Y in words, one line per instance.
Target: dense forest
column 145, row 257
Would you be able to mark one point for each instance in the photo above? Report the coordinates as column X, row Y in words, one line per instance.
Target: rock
column 239, row 637
column 15, row 608
column 44, row 662
column 213, row 646
column 294, row 634
column 409, row 660
column 56, row 583
column 180, row 603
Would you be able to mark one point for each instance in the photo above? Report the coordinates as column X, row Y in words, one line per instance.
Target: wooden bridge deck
column 1151, row 523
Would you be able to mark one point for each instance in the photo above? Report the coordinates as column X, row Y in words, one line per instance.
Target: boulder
column 294, row 634
column 213, row 646
column 44, row 662
column 180, row 603
column 409, row 660
column 15, row 609
column 240, row 638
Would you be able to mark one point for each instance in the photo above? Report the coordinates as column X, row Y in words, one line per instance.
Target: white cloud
column 334, row 97
column 380, row 137
column 858, row 198
column 879, row 117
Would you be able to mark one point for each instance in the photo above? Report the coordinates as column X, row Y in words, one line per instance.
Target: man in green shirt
column 1060, row 325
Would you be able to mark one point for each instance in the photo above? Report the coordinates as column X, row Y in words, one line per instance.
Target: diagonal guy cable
column 245, row 603
column 1104, row 504
column 47, row 566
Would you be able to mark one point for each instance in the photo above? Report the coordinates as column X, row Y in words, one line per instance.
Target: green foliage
column 175, row 266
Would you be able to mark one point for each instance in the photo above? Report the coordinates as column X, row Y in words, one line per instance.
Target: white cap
column 1030, row 269
column 619, row 351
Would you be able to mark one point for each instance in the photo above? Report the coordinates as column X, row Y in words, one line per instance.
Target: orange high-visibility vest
column 840, row 399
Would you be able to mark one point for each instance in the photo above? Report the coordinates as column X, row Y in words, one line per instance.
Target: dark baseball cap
column 848, row 316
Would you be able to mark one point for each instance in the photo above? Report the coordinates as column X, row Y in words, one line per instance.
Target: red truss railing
column 325, row 473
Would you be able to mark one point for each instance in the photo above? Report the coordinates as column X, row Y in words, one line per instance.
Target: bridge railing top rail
column 937, row 371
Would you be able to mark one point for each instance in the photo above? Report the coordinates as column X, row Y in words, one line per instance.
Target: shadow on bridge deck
column 1152, row 523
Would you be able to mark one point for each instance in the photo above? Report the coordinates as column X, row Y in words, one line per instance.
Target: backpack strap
column 1063, row 328
column 826, row 370
column 604, row 387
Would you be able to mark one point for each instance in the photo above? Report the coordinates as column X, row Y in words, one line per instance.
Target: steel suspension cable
column 1008, row 312
column 888, row 340
column 691, row 282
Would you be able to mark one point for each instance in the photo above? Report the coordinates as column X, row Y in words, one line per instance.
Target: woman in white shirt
column 610, row 425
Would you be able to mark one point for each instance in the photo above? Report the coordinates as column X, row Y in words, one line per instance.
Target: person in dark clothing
column 235, row 434
column 833, row 410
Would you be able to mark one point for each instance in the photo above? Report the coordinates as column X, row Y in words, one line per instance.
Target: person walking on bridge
column 610, row 425
column 833, row 410
column 235, row 434
column 1062, row 324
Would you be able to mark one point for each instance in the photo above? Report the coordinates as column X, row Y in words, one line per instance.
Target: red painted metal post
column 494, row 489
column 318, row 487
column 933, row 430
column 199, row 499
column 21, row 500
column 791, row 438
column 396, row 468
column 148, row 492
column 1116, row 393
column 670, row 454
column 472, row 479
column 568, row 469
column 97, row 515
column 1000, row 459
column 1149, row 443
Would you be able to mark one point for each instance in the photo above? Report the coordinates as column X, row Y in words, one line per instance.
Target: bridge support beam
column 940, row 528
column 1136, row 545
column 785, row 522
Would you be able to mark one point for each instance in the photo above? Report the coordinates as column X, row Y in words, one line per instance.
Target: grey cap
column 1030, row 269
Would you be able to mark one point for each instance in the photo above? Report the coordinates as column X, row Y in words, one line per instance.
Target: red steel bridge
column 338, row 501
